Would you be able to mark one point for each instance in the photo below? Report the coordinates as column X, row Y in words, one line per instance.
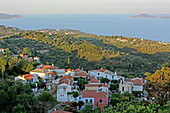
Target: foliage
column 19, row 109
column 46, row 101
column 3, row 63
column 117, row 97
column 18, row 98
column 27, row 51
column 104, row 80
column 81, row 83
column 159, row 85
column 132, row 107
column 92, row 51
column 160, row 76
column 88, row 108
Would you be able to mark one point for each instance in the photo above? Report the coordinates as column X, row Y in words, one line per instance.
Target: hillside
column 116, row 53
column 5, row 31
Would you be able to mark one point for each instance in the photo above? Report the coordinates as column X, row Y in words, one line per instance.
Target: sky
column 84, row 6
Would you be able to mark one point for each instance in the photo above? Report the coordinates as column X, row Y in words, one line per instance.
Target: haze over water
column 100, row 24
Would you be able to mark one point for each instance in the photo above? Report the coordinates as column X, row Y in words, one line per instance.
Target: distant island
column 143, row 15
column 7, row 16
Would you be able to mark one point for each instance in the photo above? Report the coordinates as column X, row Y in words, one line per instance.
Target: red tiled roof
column 51, row 73
column 61, row 112
column 91, row 85
column 102, row 70
column 103, row 85
column 49, row 67
column 77, row 70
column 36, row 57
column 66, row 81
column 138, row 82
column 128, row 80
column 96, row 85
column 81, row 74
column 67, row 77
column 28, row 76
column 68, row 70
column 93, row 80
column 94, row 94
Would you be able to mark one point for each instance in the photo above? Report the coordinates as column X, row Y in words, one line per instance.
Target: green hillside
column 116, row 53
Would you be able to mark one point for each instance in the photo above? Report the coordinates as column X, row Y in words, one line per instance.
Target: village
column 77, row 85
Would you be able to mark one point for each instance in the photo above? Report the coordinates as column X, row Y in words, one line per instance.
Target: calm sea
column 148, row 28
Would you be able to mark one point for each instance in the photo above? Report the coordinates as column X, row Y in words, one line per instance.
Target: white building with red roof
column 81, row 74
column 64, row 87
column 27, row 78
column 2, row 50
column 104, row 73
column 135, row 84
column 37, row 59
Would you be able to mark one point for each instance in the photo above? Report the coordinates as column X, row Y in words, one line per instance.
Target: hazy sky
column 85, row 6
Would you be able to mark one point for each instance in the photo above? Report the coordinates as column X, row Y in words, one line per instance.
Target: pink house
column 97, row 98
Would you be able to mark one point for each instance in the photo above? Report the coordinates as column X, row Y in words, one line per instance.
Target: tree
column 132, row 107
column 159, row 85
column 104, row 80
column 88, row 108
column 81, row 83
column 160, row 76
column 27, row 101
column 27, row 51
column 46, row 101
column 19, row 109
column 3, row 63
column 3, row 100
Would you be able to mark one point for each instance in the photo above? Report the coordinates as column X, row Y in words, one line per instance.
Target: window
column 90, row 100
column 100, row 89
column 98, row 73
column 100, row 101
column 86, row 101
column 106, row 76
column 122, row 88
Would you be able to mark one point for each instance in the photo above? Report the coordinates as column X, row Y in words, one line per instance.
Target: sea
column 157, row 29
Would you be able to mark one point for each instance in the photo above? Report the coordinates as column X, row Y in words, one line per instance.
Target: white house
column 125, row 86
column 37, row 59
column 135, row 84
column 27, row 78
column 2, row 50
column 60, row 72
column 40, row 72
column 138, row 84
column 104, row 73
column 63, row 90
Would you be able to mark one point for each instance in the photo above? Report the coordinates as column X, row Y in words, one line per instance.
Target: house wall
column 39, row 74
column 101, row 104
column 137, row 88
column 91, row 88
column 84, row 100
column 126, row 87
column 104, row 89
column 62, row 91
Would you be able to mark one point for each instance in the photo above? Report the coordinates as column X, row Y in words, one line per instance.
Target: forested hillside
column 4, row 30
column 67, row 49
